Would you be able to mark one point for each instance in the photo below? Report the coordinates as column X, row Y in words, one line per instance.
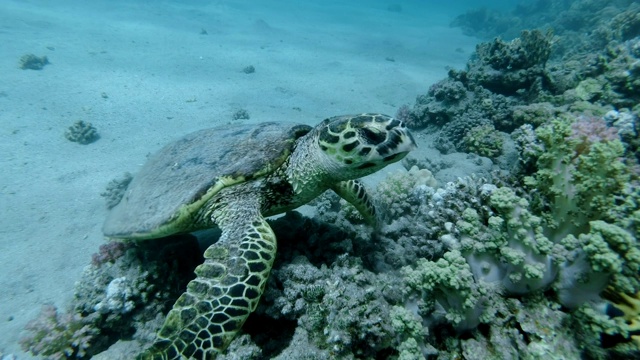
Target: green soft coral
column 406, row 324
column 516, row 222
column 510, row 245
column 408, row 327
column 450, row 282
column 593, row 324
column 410, row 350
column 578, row 176
column 614, row 250
column 511, row 223
column 584, row 197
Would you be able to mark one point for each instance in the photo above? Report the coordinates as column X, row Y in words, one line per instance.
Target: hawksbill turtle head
column 359, row 145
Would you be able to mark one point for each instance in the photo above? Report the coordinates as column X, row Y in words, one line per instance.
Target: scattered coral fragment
column 33, row 62
column 82, row 132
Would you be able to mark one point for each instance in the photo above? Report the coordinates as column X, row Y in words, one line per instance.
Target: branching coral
column 82, row 132
column 60, row 336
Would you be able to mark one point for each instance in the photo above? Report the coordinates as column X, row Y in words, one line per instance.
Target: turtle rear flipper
column 227, row 288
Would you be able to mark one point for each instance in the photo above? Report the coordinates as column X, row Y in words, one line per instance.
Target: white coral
column 118, row 297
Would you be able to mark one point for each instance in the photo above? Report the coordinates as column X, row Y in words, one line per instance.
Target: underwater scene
column 280, row 179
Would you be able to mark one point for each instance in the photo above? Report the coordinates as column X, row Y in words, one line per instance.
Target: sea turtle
column 233, row 177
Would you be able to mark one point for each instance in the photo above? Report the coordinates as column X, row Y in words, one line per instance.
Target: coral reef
column 495, row 90
column 33, row 62
column 60, row 336
column 509, row 84
column 535, row 114
column 449, row 284
column 342, row 308
column 334, row 292
column 401, row 191
column 123, row 290
column 527, row 328
column 108, row 253
column 451, row 137
column 82, row 132
column 537, row 260
column 571, row 236
column 443, row 102
column 580, row 26
column 554, row 229
column 580, row 172
column 514, row 65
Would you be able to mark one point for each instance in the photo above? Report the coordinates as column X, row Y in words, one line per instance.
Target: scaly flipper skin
column 226, row 290
column 354, row 192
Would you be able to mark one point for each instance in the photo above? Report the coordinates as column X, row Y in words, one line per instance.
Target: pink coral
column 109, row 252
column 59, row 336
column 587, row 130
column 404, row 113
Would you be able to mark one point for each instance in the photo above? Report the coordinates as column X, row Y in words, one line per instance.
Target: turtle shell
column 178, row 180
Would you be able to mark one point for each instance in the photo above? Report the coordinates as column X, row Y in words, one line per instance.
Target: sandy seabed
column 144, row 73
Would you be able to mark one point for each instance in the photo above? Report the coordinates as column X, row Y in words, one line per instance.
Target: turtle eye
column 373, row 137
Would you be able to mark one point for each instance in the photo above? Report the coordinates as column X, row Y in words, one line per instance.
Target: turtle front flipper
column 227, row 288
column 354, row 192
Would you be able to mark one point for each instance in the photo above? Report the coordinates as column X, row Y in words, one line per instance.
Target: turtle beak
column 408, row 138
